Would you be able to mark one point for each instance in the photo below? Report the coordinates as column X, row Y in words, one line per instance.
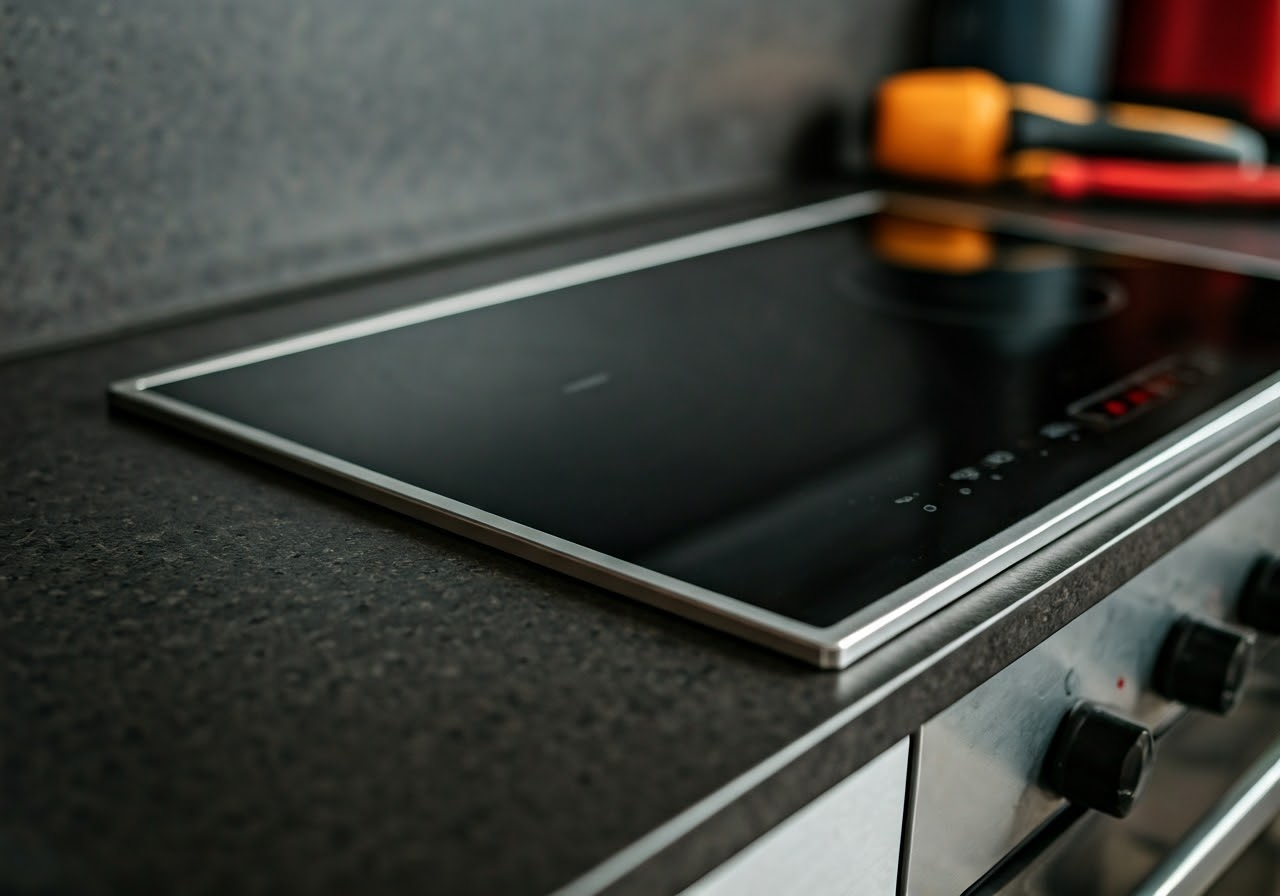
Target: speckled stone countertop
column 216, row 677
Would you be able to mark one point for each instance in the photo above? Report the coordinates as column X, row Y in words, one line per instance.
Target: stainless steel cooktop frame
column 833, row 647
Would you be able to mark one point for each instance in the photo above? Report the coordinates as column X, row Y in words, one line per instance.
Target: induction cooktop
column 811, row 429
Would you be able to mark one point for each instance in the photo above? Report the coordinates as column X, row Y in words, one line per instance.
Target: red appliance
column 1224, row 56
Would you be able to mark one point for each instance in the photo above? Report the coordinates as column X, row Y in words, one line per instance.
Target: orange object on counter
column 943, row 124
column 962, row 125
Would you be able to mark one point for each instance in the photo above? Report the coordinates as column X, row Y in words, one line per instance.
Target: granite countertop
column 217, row 677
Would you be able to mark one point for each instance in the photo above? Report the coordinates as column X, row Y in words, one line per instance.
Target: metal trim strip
column 1224, row 832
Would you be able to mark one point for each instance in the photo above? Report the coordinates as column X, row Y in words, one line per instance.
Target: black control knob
column 1259, row 605
column 1099, row 760
column 1203, row 665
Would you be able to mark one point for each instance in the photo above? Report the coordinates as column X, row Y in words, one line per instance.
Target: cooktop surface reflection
column 811, row 429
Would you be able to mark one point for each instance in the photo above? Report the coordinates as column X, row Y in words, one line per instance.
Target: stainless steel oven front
column 1135, row 751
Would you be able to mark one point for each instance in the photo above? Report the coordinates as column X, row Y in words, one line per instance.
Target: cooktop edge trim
column 703, row 242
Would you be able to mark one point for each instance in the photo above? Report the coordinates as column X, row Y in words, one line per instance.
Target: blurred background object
column 968, row 126
column 1221, row 57
column 1016, row 88
column 1065, row 45
column 1202, row 55
column 1069, row 177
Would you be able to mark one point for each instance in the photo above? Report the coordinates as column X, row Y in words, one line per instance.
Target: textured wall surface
column 157, row 155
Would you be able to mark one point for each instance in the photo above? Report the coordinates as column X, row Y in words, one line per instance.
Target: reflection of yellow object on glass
column 946, row 248
column 1020, row 294
column 958, row 249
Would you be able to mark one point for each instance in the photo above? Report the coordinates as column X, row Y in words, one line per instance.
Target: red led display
column 1133, row 396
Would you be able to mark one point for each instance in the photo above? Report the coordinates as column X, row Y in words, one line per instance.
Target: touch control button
column 1259, row 605
column 1099, row 760
column 1203, row 665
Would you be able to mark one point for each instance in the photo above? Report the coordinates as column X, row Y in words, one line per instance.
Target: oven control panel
column 1077, row 720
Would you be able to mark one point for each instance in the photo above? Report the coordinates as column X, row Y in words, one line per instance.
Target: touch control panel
column 1075, row 720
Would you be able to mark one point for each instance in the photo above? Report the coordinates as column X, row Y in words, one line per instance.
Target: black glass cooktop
column 804, row 424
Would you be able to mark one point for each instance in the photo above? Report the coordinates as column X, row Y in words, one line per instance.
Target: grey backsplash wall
column 158, row 155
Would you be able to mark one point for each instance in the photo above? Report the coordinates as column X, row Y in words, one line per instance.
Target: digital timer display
column 1140, row 392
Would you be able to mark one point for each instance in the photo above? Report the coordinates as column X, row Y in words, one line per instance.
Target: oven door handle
column 1222, row 834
